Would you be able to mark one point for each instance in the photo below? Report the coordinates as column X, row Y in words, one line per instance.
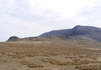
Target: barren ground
column 50, row 55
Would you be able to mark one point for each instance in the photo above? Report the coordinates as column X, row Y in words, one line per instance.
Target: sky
column 25, row 18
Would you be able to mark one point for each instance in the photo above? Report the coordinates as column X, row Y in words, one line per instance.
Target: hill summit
column 85, row 31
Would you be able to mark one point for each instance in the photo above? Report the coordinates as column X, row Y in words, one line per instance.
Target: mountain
column 15, row 38
column 78, row 31
column 82, row 31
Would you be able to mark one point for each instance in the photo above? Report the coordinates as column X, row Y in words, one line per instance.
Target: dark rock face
column 87, row 31
column 13, row 38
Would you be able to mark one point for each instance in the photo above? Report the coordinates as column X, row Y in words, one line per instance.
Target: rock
column 13, row 38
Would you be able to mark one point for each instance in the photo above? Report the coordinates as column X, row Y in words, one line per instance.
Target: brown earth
column 50, row 55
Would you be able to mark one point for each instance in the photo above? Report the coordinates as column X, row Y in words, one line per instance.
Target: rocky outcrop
column 13, row 38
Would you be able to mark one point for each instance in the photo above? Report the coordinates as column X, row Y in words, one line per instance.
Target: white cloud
column 89, row 15
column 33, row 17
column 67, row 7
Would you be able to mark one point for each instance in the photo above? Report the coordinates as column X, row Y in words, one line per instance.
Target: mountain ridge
column 82, row 31
column 87, row 31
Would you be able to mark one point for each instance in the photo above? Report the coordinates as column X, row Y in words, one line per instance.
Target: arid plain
column 71, row 54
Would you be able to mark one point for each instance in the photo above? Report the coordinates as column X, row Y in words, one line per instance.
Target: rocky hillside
column 85, row 31
column 78, row 31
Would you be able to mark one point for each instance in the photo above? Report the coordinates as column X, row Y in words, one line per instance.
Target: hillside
column 87, row 31
column 72, row 54
column 78, row 48
column 78, row 31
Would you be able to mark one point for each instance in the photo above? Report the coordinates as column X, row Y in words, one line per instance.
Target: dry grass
column 49, row 55
column 89, row 67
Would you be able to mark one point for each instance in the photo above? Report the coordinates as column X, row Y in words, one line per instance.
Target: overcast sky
column 25, row 18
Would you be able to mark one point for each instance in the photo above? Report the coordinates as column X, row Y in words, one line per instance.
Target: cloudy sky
column 25, row 18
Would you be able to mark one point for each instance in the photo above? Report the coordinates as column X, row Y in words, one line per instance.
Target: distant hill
column 14, row 39
column 85, row 31
column 78, row 32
